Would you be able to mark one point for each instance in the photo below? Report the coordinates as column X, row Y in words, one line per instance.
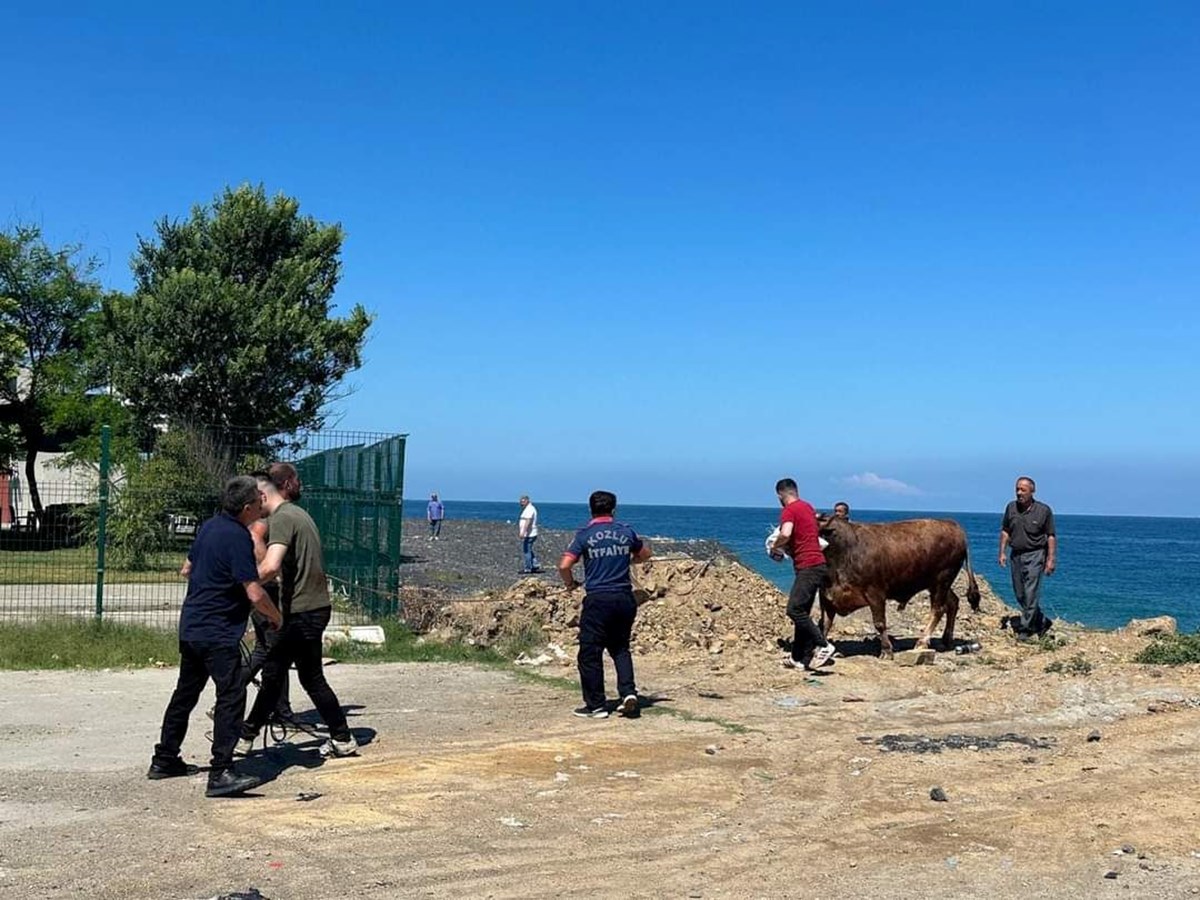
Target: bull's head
column 834, row 530
column 838, row 535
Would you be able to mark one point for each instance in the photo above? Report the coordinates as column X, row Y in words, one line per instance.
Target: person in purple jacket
column 434, row 513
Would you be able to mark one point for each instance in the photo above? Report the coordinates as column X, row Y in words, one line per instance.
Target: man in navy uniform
column 607, row 549
column 222, row 586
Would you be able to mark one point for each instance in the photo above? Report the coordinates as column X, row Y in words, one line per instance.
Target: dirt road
column 739, row 781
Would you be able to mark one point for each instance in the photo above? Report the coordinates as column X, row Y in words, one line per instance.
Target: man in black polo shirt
column 1028, row 531
column 222, row 585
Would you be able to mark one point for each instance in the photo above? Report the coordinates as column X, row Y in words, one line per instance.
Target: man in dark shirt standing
column 798, row 538
column 1028, row 532
column 607, row 549
column 222, row 585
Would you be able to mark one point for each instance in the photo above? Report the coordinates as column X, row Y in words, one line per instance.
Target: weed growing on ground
column 1048, row 643
column 1171, row 650
column 1076, row 665
column 64, row 643
column 525, row 638
column 402, row 645
column 534, row 676
column 731, row 727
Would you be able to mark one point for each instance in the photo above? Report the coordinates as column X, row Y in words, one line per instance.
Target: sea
column 1110, row 568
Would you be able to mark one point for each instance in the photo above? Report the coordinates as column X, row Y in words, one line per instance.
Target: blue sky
column 902, row 252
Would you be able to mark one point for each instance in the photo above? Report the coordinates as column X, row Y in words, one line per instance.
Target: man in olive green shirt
column 294, row 555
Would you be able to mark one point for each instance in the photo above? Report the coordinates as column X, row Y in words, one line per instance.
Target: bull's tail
column 972, row 585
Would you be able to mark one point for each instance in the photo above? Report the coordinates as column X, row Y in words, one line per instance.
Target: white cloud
column 871, row 482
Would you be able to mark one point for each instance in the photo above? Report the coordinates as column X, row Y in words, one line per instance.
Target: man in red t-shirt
column 798, row 539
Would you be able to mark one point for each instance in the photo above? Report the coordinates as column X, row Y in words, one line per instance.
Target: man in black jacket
column 222, row 586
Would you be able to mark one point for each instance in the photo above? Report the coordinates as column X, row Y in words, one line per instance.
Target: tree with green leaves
column 47, row 299
column 230, row 323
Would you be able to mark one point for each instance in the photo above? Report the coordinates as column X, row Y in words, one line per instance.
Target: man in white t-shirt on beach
column 527, row 528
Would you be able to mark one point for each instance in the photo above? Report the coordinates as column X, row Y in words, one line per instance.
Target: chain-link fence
column 108, row 537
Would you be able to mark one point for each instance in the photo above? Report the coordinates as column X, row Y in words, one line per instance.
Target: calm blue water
column 1110, row 568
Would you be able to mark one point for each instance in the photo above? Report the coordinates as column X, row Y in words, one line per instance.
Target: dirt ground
column 740, row 779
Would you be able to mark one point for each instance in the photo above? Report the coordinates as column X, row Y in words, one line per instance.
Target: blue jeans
column 530, row 560
column 435, row 527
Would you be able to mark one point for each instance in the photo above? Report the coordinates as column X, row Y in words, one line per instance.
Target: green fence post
column 102, row 520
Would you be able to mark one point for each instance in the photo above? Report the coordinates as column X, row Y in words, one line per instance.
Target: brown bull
column 869, row 564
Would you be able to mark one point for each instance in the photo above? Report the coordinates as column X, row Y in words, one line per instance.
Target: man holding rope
column 294, row 555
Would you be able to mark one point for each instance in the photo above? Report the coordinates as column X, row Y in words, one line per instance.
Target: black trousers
column 605, row 624
column 806, row 636
column 267, row 639
column 300, row 644
column 199, row 661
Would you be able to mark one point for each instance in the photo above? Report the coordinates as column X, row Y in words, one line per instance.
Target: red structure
column 6, row 507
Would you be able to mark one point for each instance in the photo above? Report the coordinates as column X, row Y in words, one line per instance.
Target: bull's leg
column 878, row 604
column 951, row 615
column 827, row 614
column 936, row 608
column 939, row 605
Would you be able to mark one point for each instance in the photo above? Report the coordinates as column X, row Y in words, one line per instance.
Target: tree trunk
column 35, row 499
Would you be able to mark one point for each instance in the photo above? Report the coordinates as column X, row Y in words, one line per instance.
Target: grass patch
column 683, row 714
column 1048, row 643
column 447, row 578
column 526, row 638
column 401, row 645
column 84, row 644
column 1171, row 650
column 537, row 677
column 1076, row 665
column 77, row 565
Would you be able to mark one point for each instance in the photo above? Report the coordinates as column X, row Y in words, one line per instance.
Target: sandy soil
column 741, row 779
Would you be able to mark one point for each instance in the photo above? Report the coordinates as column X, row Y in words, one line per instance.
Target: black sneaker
column 586, row 712
column 176, row 768
column 628, row 707
column 226, row 783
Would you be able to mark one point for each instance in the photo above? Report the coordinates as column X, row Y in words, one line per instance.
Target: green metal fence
column 112, row 535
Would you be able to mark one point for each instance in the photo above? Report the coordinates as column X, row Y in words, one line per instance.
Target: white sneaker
column 332, row 748
column 245, row 746
column 823, row 657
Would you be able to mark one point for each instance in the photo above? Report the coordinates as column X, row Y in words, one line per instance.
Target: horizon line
column 973, row 512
